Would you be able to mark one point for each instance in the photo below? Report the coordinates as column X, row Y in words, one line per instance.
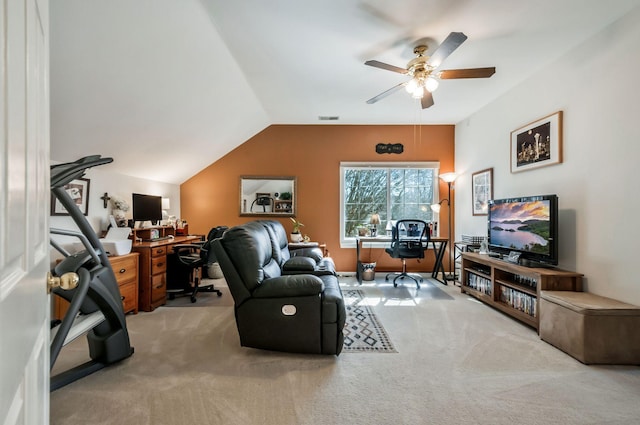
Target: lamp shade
column 436, row 207
column 375, row 219
column 166, row 203
column 449, row 177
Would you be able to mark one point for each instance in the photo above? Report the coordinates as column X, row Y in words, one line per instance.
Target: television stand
column 512, row 288
column 534, row 264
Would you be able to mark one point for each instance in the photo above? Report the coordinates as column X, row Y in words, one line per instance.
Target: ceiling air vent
column 328, row 118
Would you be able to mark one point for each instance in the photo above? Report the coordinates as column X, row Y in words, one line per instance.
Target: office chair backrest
column 410, row 238
column 206, row 253
column 216, row 232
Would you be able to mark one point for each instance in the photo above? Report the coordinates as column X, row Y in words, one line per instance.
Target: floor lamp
column 449, row 178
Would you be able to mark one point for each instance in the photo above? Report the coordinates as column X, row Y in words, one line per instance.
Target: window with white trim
column 394, row 190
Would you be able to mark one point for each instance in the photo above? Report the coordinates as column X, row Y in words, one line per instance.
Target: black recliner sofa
column 297, row 312
column 302, row 260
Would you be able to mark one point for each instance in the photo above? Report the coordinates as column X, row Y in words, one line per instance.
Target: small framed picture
column 79, row 191
column 482, row 191
column 537, row 144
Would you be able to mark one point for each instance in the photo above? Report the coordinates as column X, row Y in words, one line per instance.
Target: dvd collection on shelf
column 479, row 283
column 519, row 300
column 525, row 281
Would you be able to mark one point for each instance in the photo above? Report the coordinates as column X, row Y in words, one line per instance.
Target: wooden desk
column 438, row 250
column 152, row 287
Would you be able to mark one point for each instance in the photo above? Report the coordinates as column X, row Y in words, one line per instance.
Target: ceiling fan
column 424, row 73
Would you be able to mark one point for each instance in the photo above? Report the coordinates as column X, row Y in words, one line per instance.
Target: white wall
column 102, row 180
column 596, row 85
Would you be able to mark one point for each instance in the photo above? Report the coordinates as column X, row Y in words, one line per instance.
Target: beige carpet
column 458, row 362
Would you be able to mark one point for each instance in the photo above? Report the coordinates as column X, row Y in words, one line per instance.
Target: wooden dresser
column 125, row 267
column 152, row 289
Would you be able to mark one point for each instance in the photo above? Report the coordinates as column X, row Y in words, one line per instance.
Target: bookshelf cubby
column 150, row 233
column 511, row 288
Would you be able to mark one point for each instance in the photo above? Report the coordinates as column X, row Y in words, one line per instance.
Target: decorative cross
column 105, row 198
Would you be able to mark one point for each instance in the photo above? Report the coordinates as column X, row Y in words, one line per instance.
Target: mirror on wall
column 268, row 196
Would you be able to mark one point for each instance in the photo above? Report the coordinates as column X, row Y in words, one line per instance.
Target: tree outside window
column 394, row 192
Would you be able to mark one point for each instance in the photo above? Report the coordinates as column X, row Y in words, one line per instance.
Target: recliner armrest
column 289, row 286
column 299, row 264
column 312, row 252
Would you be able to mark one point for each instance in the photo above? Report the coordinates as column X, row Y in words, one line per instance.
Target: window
column 393, row 190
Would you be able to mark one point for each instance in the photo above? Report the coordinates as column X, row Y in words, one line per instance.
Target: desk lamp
column 374, row 221
column 166, row 205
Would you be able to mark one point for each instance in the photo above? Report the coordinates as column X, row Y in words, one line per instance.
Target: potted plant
column 362, row 230
column 296, row 236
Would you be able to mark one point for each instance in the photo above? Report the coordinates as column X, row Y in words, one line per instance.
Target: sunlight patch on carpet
column 363, row 332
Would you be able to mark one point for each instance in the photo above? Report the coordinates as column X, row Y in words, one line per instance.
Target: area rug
column 363, row 332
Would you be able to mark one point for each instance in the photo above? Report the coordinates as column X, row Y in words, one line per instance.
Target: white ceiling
column 167, row 87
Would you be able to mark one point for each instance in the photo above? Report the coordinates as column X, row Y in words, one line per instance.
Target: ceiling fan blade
column 449, row 74
column 451, row 43
column 386, row 66
column 385, row 93
column 427, row 100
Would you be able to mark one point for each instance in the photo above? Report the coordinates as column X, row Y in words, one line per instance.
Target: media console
column 512, row 288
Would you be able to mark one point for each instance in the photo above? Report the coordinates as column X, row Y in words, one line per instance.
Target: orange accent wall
column 313, row 154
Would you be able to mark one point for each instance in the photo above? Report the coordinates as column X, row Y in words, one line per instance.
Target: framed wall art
column 482, row 191
column 537, row 144
column 79, row 191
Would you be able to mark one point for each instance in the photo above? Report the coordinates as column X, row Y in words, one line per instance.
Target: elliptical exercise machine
column 90, row 286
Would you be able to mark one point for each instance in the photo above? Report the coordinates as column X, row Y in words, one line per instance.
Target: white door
column 24, row 212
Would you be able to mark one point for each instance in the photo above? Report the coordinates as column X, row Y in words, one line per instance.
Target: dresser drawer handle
column 160, row 264
column 123, row 270
column 160, row 286
column 160, row 251
column 122, row 298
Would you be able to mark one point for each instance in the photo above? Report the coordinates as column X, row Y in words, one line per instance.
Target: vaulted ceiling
column 167, row 87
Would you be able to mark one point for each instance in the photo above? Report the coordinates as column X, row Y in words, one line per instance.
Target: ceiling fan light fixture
column 424, row 70
column 411, row 86
column 418, row 92
column 431, row 84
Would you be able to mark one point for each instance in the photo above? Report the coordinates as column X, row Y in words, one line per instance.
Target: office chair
column 188, row 264
column 207, row 252
column 409, row 239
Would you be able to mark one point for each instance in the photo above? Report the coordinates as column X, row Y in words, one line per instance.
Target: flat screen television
column 147, row 207
column 527, row 226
